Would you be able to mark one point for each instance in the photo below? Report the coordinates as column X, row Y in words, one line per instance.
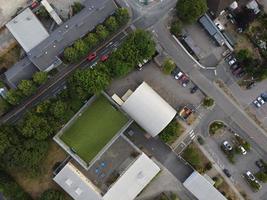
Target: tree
column 27, row 87
column 208, row 102
column 243, row 55
column 52, row 194
column 91, row 40
column 81, row 47
column 40, row 77
column 192, row 156
column 76, row 7
column 171, row 132
column 4, row 142
column 190, row 10
column 122, row 16
column 168, row 66
column 58, row 109
column 176, row 27
column 261, row 176
column 34, row 126
column 42, row 12
column 13, row 96
column 111, row 24
column 101, row 32
column 71, row 54
column 43, row 107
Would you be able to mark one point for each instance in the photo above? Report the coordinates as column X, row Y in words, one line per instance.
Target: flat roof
column 96, row 11
column 94, row 128
column 27, row 30
column 201, row 188
column 148, row 109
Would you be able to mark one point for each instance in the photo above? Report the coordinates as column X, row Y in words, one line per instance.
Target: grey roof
column 95, row 12
column 23, row 69
column 210, row 27
column 201, row 188
column 27, row 29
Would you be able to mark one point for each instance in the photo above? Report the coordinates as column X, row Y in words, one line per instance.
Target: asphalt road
column 188, row 65
column 57, row 82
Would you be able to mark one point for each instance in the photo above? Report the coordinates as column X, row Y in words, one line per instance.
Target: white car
column 227, row 146
column 179, row 75
column 232, row 61
column 243, row 150
column 259, row 99
column 257, row 104
column 250, row 176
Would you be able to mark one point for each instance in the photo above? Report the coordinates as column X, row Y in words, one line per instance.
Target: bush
column 191, row 155
column 176, row 27
column 168, row 66
column 261, row 176
column 52, row 194
column 218, row 181
column 76, row 7
column 208, row 166
column 40, row 77
column 171, row 132
column 208, row 102
column 215, row 126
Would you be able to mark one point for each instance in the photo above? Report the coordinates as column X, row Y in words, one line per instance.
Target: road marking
column 215, row 72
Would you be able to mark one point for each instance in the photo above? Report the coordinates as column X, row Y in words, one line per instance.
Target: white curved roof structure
column 148, row 109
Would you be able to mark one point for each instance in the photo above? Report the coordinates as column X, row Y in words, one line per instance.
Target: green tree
column 81, row 47
column 190, row 10
column 42, row 12
column 168, row 66
column 13, row 96
column 10, row 189
column 111, row 24
column 76, row 7
column 27, row 87
column 171, row 132
column 34, row 126
column 176, row 27
column 52, row 194
column 71, row 54
column 43, row 107
column 122, row 16
column 101, row 32
column 58, row 109
column 40, row 77
column 4, row 142
column 261, row 176
column 243, row 55
column 208, row 102
column 91, row 40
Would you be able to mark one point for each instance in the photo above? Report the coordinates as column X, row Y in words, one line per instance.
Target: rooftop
column 27, row 30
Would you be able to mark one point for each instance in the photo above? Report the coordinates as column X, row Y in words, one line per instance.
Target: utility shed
column 149, row 109
column 201, row 188
column 27, row 30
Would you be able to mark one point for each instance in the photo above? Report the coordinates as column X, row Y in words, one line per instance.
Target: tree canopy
column 52, row 194
column 40, row 77
column 190, row 10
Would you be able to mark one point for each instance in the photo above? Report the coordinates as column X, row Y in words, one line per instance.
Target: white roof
column 127, row 187
column 201, row 188
column 27, row 29
column 134, row 180
column 148, row 109
column 76, row 184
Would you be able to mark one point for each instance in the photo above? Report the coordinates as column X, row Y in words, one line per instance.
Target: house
column 217, row 7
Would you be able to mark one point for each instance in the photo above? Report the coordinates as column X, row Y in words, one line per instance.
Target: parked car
column 193, row 89
column 260, row 100
column 237, row 71
column 256, row 103
column 260, row 164
column 227, row 173
column 250, row 176
column 241, row 74
column 227, row 145
column 184, row 80
column 251, row 85
column 232, row 61
column 234, row 67
column 243, row 150
column 91, row 56
column 179, row 75
column 34, row 4
column 104, row 58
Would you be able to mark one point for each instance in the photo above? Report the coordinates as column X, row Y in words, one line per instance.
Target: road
column 57, row 82
column 189, row 66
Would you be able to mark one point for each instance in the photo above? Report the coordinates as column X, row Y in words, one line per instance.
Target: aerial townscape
column 133, row 99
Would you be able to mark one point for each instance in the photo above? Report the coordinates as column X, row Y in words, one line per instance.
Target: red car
column 91, row 56
column 34, row 4
column 104, row 58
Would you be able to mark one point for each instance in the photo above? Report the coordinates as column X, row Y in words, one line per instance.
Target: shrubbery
column 171, row 132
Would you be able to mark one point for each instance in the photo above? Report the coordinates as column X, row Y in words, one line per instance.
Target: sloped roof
column 149, row 109
column 216, row 6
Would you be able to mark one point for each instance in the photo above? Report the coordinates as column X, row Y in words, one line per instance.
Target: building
column 148, row 109
column 27, row 30
column 43, row 49
column 116, row 175
column 217, row 7
column 202, row 188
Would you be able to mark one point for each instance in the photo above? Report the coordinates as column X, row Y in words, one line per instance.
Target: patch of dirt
column 36, row 186
column 224, row 188
column 11, row 57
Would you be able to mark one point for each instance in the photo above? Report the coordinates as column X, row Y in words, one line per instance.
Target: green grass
column 94, row 129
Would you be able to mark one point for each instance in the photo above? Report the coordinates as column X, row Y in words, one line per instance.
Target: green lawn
column 94, row 129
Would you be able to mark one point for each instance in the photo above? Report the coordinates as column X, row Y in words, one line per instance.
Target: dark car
column 241, row 74
column 237, row 71
column 194, row 89
column 227, row 173
column 260, row 164
column 234, row 67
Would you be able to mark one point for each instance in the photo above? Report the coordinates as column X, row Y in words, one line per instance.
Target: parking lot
column 241, row 165
column 166, row 85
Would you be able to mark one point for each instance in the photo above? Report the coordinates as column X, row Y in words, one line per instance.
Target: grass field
column 94, row 129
